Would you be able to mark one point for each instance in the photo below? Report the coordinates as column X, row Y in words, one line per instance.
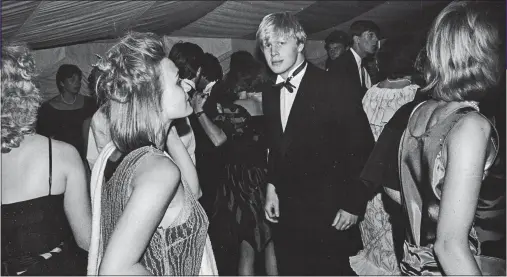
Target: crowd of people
column 386, row 162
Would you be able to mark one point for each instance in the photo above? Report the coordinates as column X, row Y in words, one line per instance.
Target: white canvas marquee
column 75, row 31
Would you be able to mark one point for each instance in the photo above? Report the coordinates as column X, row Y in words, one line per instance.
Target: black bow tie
column 287, row 84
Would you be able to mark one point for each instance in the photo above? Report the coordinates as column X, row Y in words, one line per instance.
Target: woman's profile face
column 175, row 102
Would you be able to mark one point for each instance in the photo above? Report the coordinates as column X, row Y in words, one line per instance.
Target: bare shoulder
column 64, row 151
column 157, row 170
column 472, row 128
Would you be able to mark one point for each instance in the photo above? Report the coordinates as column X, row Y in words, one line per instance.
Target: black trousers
column 314, row 249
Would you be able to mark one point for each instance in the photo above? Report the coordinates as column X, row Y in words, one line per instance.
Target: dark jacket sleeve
column 358, row 142
column 268, row 123
column 381, row 169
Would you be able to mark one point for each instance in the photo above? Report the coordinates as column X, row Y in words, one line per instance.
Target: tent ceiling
column 47, row 24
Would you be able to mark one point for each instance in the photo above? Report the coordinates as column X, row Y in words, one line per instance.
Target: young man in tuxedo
column 352, row 64
column 319, row 139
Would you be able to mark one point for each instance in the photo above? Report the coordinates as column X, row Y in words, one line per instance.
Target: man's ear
column 355, row 40
column 301, row 46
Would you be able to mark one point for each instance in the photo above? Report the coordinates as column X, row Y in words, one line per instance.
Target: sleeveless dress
column 37, row 238
column 422, row 173
column 378, row 256
column 239, row 205
column 175, row 250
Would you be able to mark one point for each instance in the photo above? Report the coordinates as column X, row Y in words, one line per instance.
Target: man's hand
column 271, row 207
column 197, row 102
column 344, row 220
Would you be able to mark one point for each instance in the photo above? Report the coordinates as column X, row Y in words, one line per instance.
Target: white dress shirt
column 367, row 82
column 287, row 98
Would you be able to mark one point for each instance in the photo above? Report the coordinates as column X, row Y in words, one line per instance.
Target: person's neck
column 358, row 51
column 68, row 98
column 299, row 60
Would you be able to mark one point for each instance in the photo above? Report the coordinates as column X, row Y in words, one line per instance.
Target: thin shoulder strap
column 50, row 165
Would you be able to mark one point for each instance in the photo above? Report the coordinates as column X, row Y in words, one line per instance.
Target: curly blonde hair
column 130, row 83
column 20, row 96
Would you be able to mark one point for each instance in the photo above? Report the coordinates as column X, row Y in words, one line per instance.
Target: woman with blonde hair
column 46, row 216
column 448, row 147
column 146, row 217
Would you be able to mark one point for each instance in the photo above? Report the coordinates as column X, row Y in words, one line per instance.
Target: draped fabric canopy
column 48, row 24
column 75, row 31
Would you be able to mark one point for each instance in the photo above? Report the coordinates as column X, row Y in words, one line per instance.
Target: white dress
column 377, row 257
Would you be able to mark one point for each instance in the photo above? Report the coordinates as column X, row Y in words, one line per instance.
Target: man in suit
column 188, row 58
column 336, row 43
column 318, row 138
column 365, row 37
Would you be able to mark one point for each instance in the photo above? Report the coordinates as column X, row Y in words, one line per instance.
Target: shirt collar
column 279, row 78
column 357, row 57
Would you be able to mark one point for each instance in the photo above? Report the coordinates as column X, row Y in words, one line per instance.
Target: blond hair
column 20, row 97
column 276, row 24
column 462, row 54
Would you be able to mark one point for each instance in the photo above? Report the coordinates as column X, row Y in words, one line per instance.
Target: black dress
column 239, row 204
column 37, row 238
column 65, row 125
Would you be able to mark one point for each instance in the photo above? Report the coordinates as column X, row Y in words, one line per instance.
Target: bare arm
column 85, row 131
column 154, row 186
column 215, row 134
column 76, row 198
column 466, row 157
column 179, row 153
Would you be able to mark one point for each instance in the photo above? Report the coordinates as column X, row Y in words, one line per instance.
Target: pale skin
column 154, row 186
column 463, row 179
column 68, row 178
column 462, row 183
column 282, row 55
column 69, row 94
column 365, row 44
column 157, row 196
column 215, row 134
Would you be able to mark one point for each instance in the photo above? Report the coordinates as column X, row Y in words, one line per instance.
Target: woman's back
column 33, row 157
column 423, row 159
column 34, row 218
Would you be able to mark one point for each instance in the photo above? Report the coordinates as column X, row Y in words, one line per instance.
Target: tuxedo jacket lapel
column 352, row 66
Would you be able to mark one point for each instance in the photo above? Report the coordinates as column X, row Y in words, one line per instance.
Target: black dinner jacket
column 346, row 66
column 325, row 145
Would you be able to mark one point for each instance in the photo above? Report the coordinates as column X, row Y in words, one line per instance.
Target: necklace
column 71, row 103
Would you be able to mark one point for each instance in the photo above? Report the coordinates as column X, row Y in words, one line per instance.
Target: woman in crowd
column 63, row 116
column 448, row 147
column 147, row 219
column 240, row 196
column 46, row 215
column 380, row 103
